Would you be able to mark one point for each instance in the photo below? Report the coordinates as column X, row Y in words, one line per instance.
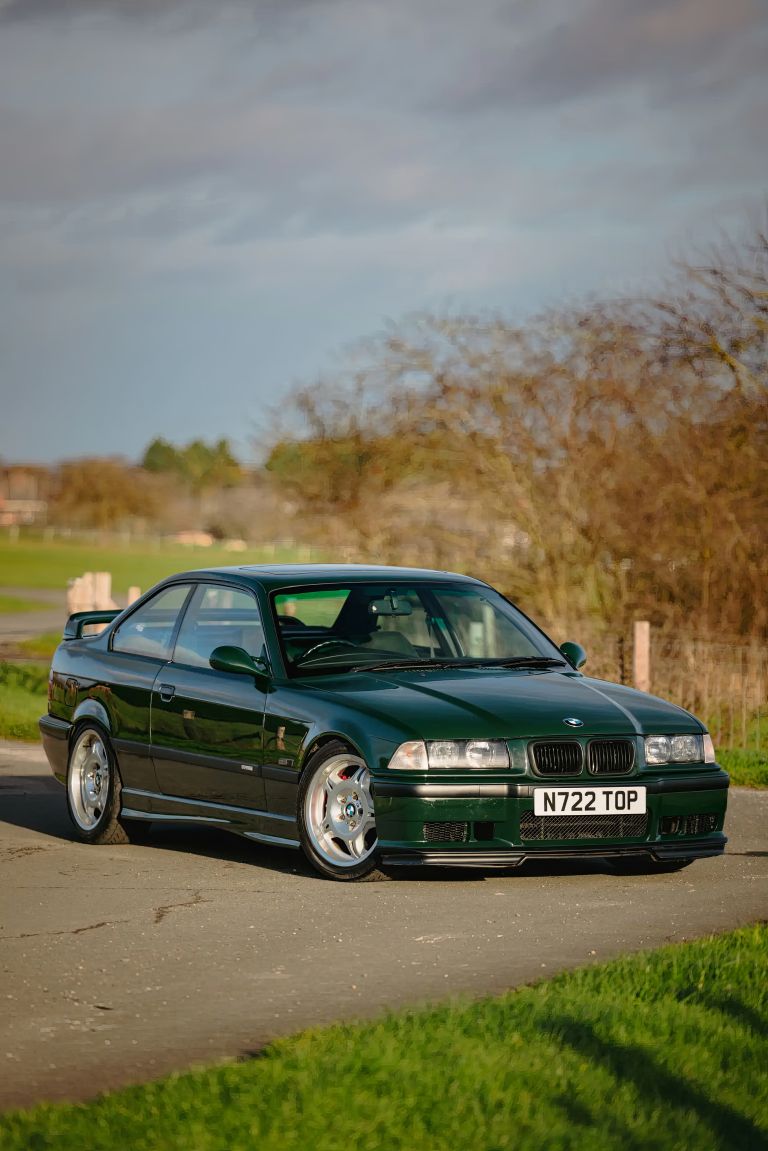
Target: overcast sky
column 202, row 203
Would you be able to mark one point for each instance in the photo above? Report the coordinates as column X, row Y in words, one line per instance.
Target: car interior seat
column 391, row 641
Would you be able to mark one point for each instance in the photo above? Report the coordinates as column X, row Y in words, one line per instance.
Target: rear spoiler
column 76, row 624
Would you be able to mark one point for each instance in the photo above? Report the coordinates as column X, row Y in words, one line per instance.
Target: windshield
column 335, row 628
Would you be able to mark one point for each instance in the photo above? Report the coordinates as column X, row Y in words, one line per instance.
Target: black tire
column 325, row 851
column 93, row 788
column 646, row 865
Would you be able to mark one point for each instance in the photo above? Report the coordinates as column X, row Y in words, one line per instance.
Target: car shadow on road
column 40, row 806
column 215, row 843
column 42, row 809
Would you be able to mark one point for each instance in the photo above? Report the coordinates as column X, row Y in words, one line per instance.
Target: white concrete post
column 641, row 655
column 102, row 591
column 87, row 591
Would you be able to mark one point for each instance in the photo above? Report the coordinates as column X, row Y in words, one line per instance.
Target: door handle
column 167, row 692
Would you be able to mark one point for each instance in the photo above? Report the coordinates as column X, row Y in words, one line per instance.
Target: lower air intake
column 700, row 824
column 582, row 827
column 445, row 831
column 688, row 824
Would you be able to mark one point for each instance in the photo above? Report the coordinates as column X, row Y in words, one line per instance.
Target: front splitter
column 662, row 852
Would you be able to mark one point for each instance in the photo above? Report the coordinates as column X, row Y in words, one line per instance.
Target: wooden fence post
column 641, row 655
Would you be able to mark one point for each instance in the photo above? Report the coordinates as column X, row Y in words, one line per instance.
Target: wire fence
column 724, row 684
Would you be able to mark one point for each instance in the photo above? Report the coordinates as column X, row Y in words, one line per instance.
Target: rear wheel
column 337, row 823
column 93, row 788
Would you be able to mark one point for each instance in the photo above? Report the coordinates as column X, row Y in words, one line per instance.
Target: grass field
column 40, row 646
column 11, row 604
column 39, row 563
column 23, row 700
column 23, row 689
column 664, row 1049
column 50, row 563
column 746, row 768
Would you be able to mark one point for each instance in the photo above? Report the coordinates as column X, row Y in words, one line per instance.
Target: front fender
column 376, row 751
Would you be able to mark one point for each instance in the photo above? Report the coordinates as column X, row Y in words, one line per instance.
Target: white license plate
column 589, row 801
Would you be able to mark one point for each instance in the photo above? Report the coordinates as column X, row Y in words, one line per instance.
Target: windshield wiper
column 512, row 661
column 407, row 664
column 522, row 661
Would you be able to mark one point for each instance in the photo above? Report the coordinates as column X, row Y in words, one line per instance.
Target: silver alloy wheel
column 338, row 811
column 88, row 781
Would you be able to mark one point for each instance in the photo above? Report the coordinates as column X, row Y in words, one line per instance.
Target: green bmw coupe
column 371, row 716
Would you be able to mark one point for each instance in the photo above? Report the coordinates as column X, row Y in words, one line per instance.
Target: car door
column 140, row 646
column 207, row 725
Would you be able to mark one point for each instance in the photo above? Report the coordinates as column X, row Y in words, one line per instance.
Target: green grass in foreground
column 50, row 563
column 23, row 695
column 665, row 1049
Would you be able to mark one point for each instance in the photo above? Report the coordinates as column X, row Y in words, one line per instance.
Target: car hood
column 502, row 704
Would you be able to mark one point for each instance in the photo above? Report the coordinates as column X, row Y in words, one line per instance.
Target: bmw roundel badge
column 572, row 721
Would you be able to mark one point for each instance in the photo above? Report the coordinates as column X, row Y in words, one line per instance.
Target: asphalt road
column 120, row 964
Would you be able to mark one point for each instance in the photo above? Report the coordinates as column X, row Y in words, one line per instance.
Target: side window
column 483, row 631
column 218, row 615
column 310, row 609
column 148, row 631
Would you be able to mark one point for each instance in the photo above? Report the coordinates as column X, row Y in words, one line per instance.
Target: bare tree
column 594, row 463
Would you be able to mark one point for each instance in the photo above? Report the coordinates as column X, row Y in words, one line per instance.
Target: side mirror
column 237, row 661
column 574, row 653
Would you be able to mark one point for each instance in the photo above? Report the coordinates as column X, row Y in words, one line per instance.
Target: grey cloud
column 331, row 135
column 187, row 11
column 596, row 45
column 278, row 163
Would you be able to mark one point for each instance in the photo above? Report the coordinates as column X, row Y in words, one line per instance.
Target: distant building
column 24, row 494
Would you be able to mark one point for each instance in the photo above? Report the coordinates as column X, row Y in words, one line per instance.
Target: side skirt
column 262, row 826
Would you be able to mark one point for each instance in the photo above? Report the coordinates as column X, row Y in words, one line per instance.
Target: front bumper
column 685, row 819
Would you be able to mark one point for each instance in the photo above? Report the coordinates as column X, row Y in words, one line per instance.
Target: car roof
column 295, row 575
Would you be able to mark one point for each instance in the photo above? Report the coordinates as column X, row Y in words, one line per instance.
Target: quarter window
column 218, row 615
column 149, row 630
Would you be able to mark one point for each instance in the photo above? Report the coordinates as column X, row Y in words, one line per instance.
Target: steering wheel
column 325, row 643
column 292, row 620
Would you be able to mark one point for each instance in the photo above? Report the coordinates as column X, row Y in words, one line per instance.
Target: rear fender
column 92, row 709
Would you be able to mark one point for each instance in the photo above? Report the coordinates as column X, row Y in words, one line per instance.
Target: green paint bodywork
column 230, row 747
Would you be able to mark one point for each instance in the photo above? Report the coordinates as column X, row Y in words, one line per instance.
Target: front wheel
column 337, row 824
column 93, row 788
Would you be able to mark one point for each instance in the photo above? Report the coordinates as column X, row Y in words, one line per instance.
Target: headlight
column 676, row 749
column 456, row 754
